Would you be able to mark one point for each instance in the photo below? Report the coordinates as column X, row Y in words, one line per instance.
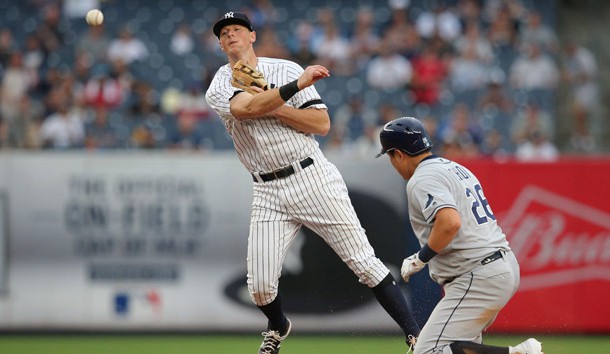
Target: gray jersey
column 266, row 144
column 440, row 183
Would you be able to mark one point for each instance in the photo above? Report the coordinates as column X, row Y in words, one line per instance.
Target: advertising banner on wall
column 158, row 241
column 557, row 219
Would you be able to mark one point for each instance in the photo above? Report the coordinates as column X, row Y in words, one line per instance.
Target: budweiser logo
column 557, row 240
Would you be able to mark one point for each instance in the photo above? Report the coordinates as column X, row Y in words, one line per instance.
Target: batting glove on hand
column 410, row 266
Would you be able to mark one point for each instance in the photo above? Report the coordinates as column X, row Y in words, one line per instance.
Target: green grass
column 234, row 344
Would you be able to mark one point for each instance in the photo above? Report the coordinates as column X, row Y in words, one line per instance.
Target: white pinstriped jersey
column 439, row 183
column 315, row 196
column 266, row 144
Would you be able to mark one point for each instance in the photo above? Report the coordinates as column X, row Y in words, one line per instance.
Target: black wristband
column 426, row 253
column 289, row 90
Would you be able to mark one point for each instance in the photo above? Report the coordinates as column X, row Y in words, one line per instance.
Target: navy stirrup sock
column 391, row 299
column 275, row 314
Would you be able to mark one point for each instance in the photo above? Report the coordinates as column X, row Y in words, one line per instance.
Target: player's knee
column 263, row 295
column 373, row 275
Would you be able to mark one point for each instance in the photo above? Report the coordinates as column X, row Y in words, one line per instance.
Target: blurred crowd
column 482, row 75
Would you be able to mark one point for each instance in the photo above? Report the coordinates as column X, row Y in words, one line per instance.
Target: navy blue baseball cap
column 232, row 18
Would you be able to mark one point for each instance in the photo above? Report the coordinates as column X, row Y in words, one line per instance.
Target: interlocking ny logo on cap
column 229, row 15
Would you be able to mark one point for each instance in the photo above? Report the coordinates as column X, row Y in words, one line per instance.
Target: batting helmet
column 407, row 134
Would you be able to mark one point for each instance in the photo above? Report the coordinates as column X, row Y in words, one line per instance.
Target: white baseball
column 95, row 17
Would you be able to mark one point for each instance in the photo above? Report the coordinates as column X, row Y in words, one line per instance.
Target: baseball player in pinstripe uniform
column 465, row 249
column 293, row 183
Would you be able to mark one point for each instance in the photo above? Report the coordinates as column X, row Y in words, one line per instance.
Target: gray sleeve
column 430, row 195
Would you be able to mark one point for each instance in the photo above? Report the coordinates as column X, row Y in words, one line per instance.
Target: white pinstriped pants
column 317, row 198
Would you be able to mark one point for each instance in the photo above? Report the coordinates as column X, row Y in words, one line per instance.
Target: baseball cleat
column 411, row 341
column 273, row 339
column 530, row 346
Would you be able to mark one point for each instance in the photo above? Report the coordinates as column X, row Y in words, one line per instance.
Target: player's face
column 402, row 163
column 236, row 38
column 399, row 162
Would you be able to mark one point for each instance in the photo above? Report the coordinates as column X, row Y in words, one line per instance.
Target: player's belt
column 283, row 172
column 492, row 257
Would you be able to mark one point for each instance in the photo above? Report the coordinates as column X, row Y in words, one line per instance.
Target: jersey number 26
column 479, row 202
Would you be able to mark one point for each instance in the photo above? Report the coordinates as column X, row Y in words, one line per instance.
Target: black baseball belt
column 283, row 172
column 492, row 257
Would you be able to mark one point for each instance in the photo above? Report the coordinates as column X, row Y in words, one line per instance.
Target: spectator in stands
column 352, row 118
column 466, row 71
column 103, row 90
column 22, row 130
column 581, row 74
column 82, row 68
column 495, row 98
column 127, row 47
column 503, row 24
column 145, row 116
column 470, row 12
column 99, row 134
column 441, row 22
column 182, row 41
column 333, row 50
column 363, row 38
column 533, row 69
column 429, row 74
column 495, row 145
column 49, row 32
column 461, row 136
column 16, row 82
column 367, row 144
column 33, row 57
column 191, row 102
column 142, row 100
column 7, row 46
column 536, row 31
column 142, row 137
column 531, row 118
column 268, row 44
column 471, row 39
column 120, row 71
column 187, row 135
column 300, row 44
column 261, row 13
column 389, row 70
column 94, row 43
column 47, row 89
column 63, row 129
column 401, row 31
column 536, row 147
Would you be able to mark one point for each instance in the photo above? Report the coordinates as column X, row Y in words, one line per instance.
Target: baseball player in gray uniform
column 465, row 249
column 293, row 183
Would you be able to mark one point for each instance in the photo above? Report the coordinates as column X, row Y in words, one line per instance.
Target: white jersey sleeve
column 266, row 144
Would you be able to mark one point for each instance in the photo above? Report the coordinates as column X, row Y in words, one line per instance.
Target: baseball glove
column 245, row 76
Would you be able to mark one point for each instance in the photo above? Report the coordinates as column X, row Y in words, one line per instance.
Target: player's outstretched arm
column 248, row 106
column 308, row 120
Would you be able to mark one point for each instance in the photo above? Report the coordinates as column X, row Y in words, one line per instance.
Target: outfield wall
column 157, row 241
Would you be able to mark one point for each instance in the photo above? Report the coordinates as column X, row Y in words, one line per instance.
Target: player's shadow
column 326, row 284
